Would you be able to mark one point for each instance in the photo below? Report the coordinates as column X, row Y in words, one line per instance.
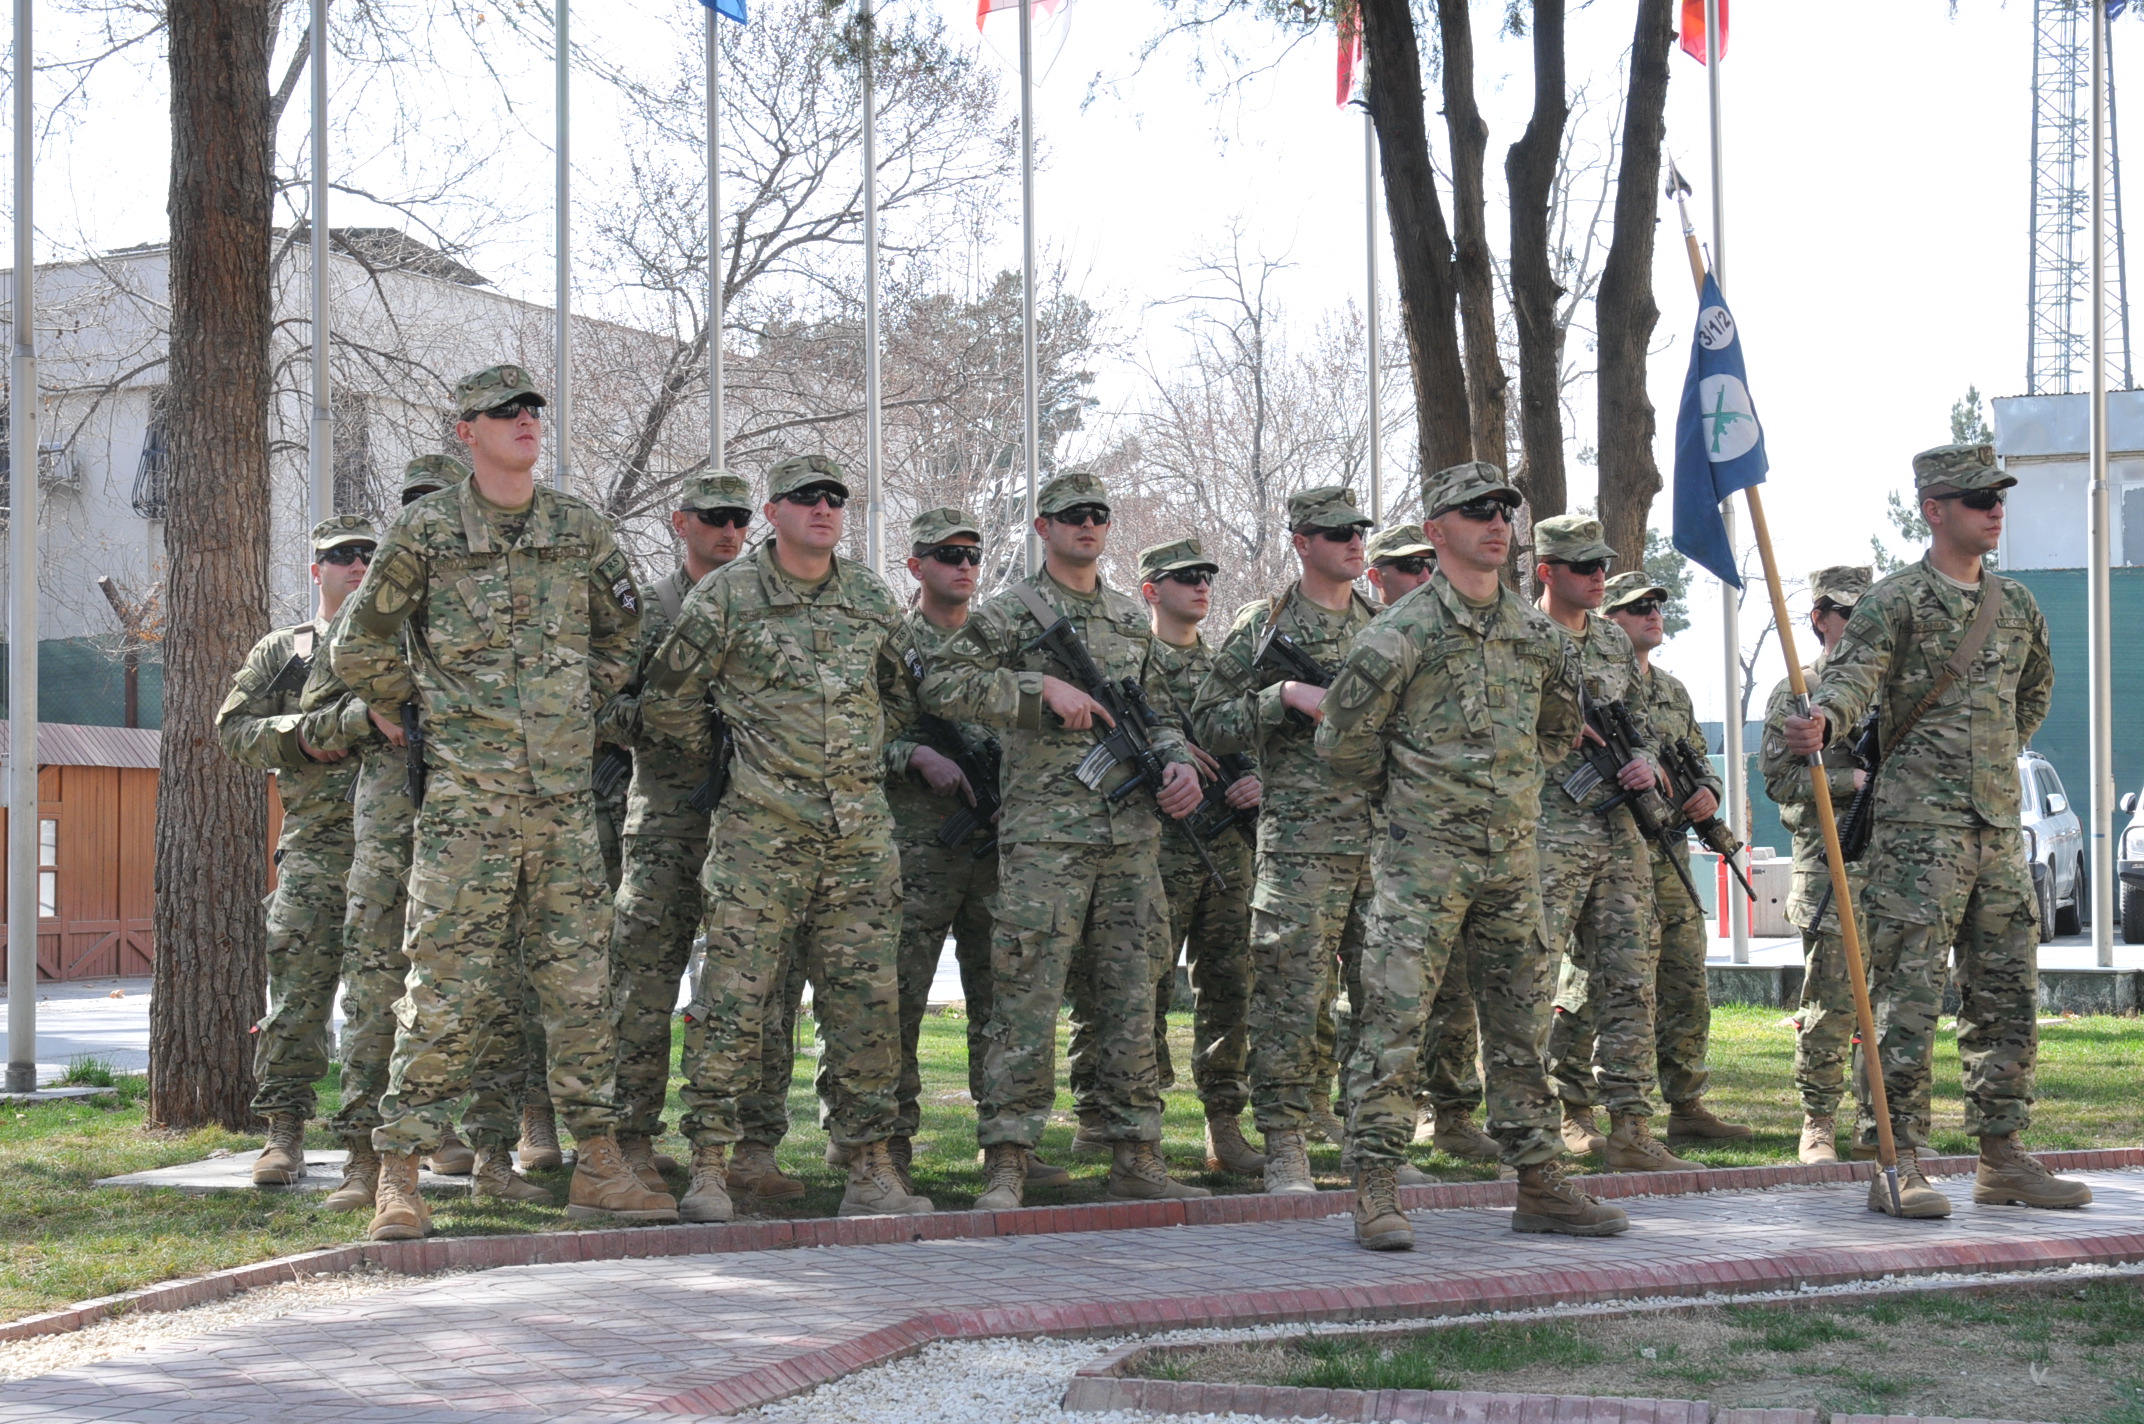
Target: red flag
column 1693, row 29
column 1350, row 22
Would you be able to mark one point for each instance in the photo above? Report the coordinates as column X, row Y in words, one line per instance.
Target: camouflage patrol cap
column 1159, row 559
column 341, row 529
column 1326, row 507
column 805, row 472
column 1571, row 539
column 715, row 489
column 1961, row 467
column 494, row 386
column 935, row 526
column 1401, row 541
column 1071, row 488
column 1842, row 584
column 1629, row 588
column 1463, row 484
column 431, row 472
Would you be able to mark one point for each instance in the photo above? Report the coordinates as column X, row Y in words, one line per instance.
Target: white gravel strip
column 127, row 1334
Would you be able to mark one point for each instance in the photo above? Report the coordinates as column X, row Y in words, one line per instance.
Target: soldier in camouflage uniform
column 1824, row 1026
column 1398, row 561
column 1946, row 863
column 796, row 645
column 506, row 612
column 1682, row 1026
column 1596, row 899
column 1314, row 834
column 1446, row 710
column 262, row 724
column 1078, row 872
column 659, row 906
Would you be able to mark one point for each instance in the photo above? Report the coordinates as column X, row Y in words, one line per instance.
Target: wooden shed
column 96, row 791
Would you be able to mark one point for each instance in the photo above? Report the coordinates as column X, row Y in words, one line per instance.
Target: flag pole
column 1377, row 392
column 2098, row 593
column 1736, row 910
column 714, row 241
column 322, row 444
column 1030, row 412
column 22, row 827
column 561, row 410
column 874, row 479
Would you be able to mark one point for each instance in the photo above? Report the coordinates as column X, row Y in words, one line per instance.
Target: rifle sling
column 1961, row 658
column 1037, row 606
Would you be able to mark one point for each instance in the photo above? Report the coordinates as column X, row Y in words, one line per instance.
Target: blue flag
column 1719, row 445
column 734, row 9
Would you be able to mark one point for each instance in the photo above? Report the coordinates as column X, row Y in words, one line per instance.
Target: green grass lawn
column 63, row 1239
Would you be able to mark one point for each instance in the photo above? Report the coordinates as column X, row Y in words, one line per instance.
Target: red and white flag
column 1693, row 29
column 1349, row 88
column 999, row 20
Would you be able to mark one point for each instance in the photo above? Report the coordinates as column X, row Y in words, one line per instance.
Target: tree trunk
column 211, row 823
column 1530, row 173
column 1486, row 381
column 1629, row 475
column 1421, row 244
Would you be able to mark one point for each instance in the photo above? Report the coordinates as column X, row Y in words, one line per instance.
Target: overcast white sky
column 1877, row 193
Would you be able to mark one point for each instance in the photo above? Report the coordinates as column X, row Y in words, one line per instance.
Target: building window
column 48, row 869
column 356, row 481
column 152, row 487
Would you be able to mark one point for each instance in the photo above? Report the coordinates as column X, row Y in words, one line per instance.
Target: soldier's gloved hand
column 1073, row 707
column 1637, row 775
column 1701, row 805
column 1245, row 793
column 1179, row 795
column 941, row 774
column 1806, row 736
column 1302, row 697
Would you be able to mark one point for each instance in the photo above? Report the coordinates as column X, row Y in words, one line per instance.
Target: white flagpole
column 714, row 242
column 874, row 479
column 561, row 408
column 2099, row 595
column 1737, row 909
column 321, row 447
column 1377, row 390
column 22, row 807
column 1030, row 413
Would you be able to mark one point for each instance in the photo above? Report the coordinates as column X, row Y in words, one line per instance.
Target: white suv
column 2054, row 847
column 2129, row 865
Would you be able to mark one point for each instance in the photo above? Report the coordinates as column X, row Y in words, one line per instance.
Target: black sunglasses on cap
column 1825, row 605
column 1196, row 578
column 1341, row 534
column 1479, row 511
column 1083, row 514
column 1980, row 499
column 954, row 554
column 1641, row 608
column 811, row 498
column 347, row 554
column 1584, row 568
column 723, row 518
column 1412, row 565
column 512, row 410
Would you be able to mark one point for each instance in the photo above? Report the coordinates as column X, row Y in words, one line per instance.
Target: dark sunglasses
column 347, row 554
column 1345, row 534
column 1842, row 610
column 514, row 410
column 1584, row 568
column 723, row 518
column 1643, row 608
column 1980, row 499
column 1196, row 578
column 955, row 554
column 1412, row 565
column 813, row 497
column 1083, row 514
column 1481, row 511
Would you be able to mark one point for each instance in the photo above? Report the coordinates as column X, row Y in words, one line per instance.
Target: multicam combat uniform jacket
column 1662, row 705
column 1609, row 664
column 1786, row 781
column 917, row 813
column 261, row 729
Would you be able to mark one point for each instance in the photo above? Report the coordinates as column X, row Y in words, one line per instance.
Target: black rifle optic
column 1685, row 776
column 980, row 763
column 1604, row 761
column 413, row 754
column 1866, row 749
column 1283, row 658
column 1125, row 744
column 613, row 765
column 709, row 793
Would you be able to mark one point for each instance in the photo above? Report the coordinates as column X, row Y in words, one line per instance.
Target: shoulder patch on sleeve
column 392, row 590
column 617, row 576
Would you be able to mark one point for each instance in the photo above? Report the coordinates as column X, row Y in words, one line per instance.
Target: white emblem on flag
column 1726, row 416
column 1715, row 329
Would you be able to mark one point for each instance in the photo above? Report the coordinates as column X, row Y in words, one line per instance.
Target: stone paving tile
column 637, row 1337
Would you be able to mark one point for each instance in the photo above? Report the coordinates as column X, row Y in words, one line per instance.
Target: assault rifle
column 1603, row 763
column 1283, row 659
column 613, row 765
column 413, row 754
column 1685, row 776
column 980, row 763
column 709, row 793
column 1124, row 744
column 290, row 678
column 1867, row 751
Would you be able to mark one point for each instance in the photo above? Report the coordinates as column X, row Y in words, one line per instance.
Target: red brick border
column 462, row 1253
column 1093, row 1394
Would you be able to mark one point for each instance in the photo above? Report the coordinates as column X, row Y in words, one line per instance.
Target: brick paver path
column 705, row 1334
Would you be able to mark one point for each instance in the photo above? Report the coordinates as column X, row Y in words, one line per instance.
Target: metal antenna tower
column 2059, row 299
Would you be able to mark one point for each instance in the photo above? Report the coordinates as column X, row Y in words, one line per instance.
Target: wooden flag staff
column 1820, row 785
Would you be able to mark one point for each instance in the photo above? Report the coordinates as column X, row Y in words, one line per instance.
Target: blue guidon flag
column 734, row 9
column 1719, row 444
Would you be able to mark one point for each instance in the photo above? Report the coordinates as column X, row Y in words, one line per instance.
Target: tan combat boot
column 1089, row 1141
column 1004, row 1177
column 1425, row 1122
column 1325, row 1124
column 399, row 1213
column 639, row 1154
column 1380, row 1225
column 1045, row 1174
column 2008, row 1176
column 903, row 1152
column 360, row 1176
column 605, row 1189
column 538, row 1149
column 1287, row 1165
column 875, row 1187
column 282, row 1159
column 1633, row 1148
column 1581, row 1133
column 1694, row 1122
column 836, row 1155
column 753, row 1170
column 708, row 1197
column 452, row 1157
column 1226, row 1151
column 1916, row 1199
column 1456, row 1134
column 1550, row 1204
column 1820, row 1138
column 492, row 1175
column 1137, row 1174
